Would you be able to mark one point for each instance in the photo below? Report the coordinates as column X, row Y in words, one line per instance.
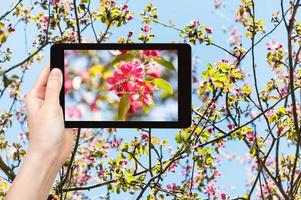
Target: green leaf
column 179, row 138
column 82, row 7
column 160, row 83
column 147, row 108
column 124, row 106
column 245, row 196
column 124, row 57
column 2, row 26
column 165, row 63
column 208, row 160
column 6, row 81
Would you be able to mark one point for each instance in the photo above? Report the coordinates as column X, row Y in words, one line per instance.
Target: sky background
column 234, row 173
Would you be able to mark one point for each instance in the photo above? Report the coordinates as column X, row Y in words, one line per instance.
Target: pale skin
column 50, row 143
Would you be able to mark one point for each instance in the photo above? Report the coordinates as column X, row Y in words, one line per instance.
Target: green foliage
column 124, row 57
column 165, row 63
column 124, row 105
column 164, row 85
column 112, row 14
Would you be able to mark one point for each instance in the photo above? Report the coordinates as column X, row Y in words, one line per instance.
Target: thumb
column 53, row 87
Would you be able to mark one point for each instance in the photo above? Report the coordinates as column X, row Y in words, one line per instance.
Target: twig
column 77, row 22
column 150, row 151
column 7, row 170
column 71, row 160
column 26, row 59
column 8, row 12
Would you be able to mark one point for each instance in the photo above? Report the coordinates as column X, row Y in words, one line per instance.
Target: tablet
column 124, row 85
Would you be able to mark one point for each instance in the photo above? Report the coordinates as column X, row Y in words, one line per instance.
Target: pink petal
column 111, row 80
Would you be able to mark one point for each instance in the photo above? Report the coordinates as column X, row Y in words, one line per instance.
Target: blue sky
column 234, row 174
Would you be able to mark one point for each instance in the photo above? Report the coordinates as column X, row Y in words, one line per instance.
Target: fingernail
column 55, row 73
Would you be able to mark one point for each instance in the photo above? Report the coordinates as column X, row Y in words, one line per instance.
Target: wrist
column 40, row 170
column 48, row 157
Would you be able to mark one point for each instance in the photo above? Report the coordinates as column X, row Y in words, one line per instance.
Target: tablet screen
column 121, row 85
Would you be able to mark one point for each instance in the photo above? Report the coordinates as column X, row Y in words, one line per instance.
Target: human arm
column 50, row 143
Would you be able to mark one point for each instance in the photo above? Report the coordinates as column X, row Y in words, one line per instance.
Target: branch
column 105, row 33
column 77, row 22
column 11, row 10
column 150, row 151
column 89, row 187
column 245, row 124
column 92, row 22
column 7, row 170
column 71, row 160
column 26, row 59
column 291, row 87
column 98, row 184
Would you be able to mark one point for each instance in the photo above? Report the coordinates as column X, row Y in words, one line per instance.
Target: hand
column 50, row 143
column 47, row 135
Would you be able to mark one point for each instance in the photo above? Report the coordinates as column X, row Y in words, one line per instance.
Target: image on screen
column 121, row 85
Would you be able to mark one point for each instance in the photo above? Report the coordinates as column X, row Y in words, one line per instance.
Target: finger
column 39, row 87
column 37, row 92
column 53, row 87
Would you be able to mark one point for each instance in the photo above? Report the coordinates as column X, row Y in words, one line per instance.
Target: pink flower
column 146, row 28
column 90, row 160
column 280, row 129
column 208, row 29
column 122, row 52
column 217, row 160
column 126, row 77
column 115, row 143
column 284, row 90
column 107, row 145
column 94, row 106
column 217, row 173
column 173, row 167
column 125, row 7
column 43, row 22
column 223, row 196
column 267, row 189
column 251, row 137
column 123, row 162
column 273, row 45
column 220, row 144
column 210, row 189
column 85, row 74
column 171, row 186
column 150, row 53
column 101, row 172
column 22, row 136
column 130, row 17
column 74, row 112
column 144, row 136
column 195, row 23
column 230, row 126
column 54, row 2
column 134, row 105
column 129, row 78
column 130, row 33
column 67, row 84
column 154, row 71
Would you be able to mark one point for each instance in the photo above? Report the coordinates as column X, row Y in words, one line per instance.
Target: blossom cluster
column 130, row 78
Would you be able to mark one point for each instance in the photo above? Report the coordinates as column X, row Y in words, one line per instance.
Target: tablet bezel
column 184, row 83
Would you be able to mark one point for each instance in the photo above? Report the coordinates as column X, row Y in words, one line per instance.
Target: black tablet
column 125, row 85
